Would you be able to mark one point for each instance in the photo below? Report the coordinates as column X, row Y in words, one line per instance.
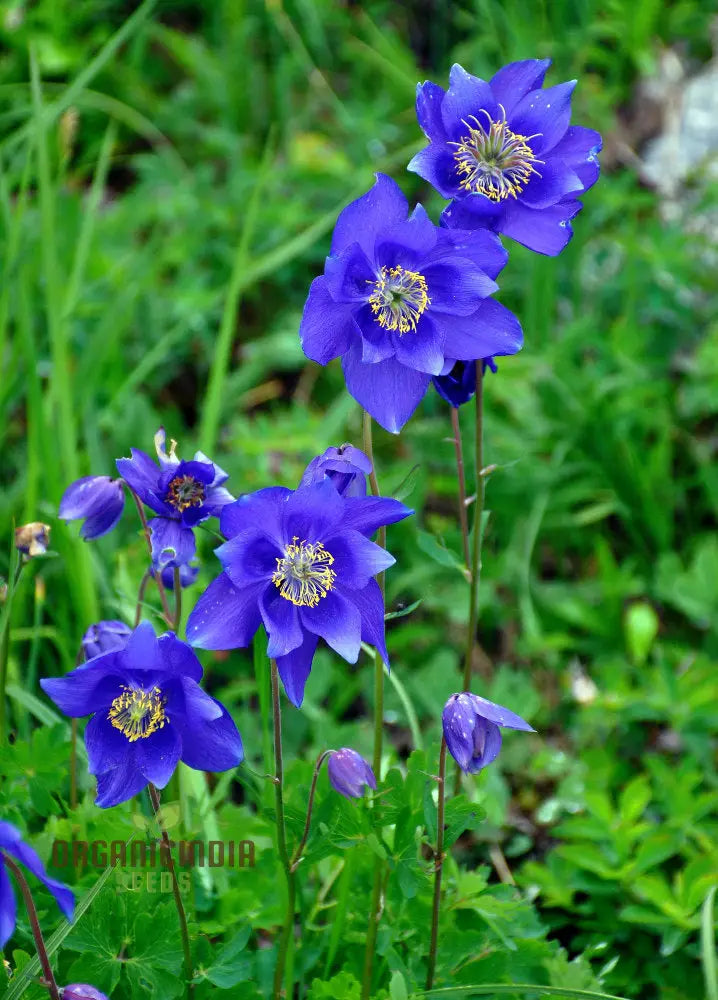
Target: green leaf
column 226, row 970
column 397, row 987
column 504, row 989
column 708, row 947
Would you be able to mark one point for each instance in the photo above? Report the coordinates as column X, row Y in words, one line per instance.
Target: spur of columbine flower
column 398, row 297
column 472, row 729
column 300, row 563
column 11, row 843
column 181, row 494
column 346, row 467
column 505, row 152
column 349, row 773
column 148, row 712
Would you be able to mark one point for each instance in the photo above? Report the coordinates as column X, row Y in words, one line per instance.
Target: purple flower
column 301, row 564
column 11, row 842
column 347, row 467
column 81, row 991
column 398, row 297
column 471, row 729
column 148, row 712
column 504, row 151
column 349, row 773
column 104, row 636
column 188, row 575
column 98, row 499
column 458, row 385
column 182, row 494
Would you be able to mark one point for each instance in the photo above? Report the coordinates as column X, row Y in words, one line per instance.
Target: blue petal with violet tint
column 371, row 513
column 104, row 636
column 98, row 499
column 363, row 220
column 249, row 556
column 466, row 97
column 545, row 230
column 87, row 688
column 512, row 82
column 225, row 617
column 493, row 329
column 12, row 843
column 481, row 246
column 213, row 746
column 579, row 150
column 349, row 773
column 347, row 467
column 327, row 329
column 471, row 729
column 356, row 559
column 82, row 991
column 119, row 784
column 294, row 668
column 173, row 544
column 370, row 604
column 388, row 390
column 263, row 508
column 8, row 908
column 458, row 386
column 142, row 476
column 336, row 619
column 281, row 620
column 545, row 113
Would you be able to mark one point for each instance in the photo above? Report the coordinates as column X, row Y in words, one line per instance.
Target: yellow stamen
column 494, row 161
column 399, row 298
column 303, row 575
column 137, row 713
column 184, row 492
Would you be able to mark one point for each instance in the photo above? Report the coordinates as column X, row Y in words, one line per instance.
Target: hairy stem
column 475, row 542
column 169, row 860
column 461, row 479
column 288, row 929
column 438, row 868
column 35, row 925
column 297, row 856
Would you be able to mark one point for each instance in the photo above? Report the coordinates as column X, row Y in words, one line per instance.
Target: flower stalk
column 288, row 930
column 158, row 576
column 35, row 925
column 169, row 861
column 297, row 856
column 438, row 867
column 461, row 481
column 475, row 541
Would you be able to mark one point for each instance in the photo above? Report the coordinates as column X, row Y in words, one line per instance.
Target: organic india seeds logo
column 143, row 860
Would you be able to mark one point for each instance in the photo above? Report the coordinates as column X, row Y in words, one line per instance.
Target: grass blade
column 708, row 946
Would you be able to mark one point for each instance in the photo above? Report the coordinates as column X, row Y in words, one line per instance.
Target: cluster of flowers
column 403, row 302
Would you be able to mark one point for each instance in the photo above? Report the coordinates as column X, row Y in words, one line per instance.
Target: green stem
column 475, row 542
column 141, row 596
column 35, row 925
column 438, row 868
column 375, row 905
column 158, row 574
column 177, row 621
column 461, row 479
column 297, row 856
column 182, row 916
column 288, row 929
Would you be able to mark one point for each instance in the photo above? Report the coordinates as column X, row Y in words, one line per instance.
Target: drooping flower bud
column 81, row 991
column 347, row 467
column 98, row 499
column 188, row 575
column 103, row 637
column 472, row 729
column 32, row 539
column 458, row 385
column 349, row 773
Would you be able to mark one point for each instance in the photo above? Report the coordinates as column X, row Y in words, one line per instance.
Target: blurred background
column 170, row 174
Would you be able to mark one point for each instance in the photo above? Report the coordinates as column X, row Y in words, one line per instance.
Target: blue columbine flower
column 506, row 153
column 458, row 384
column 300, row 563
column 148, row 712
column 81, row 991
column 349, row 773
column 104, row 636
column 11, row 842
column 188, row 576
column 398, row 297
column 182, row 494
column 471, row 729
column 346, row 466
column 98, row 500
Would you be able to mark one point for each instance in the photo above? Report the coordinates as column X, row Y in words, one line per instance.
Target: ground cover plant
column 259, row 603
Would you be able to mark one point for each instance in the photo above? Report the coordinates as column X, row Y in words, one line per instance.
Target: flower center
column 493, row 160
column 399, row 298
column 304, row 575
column 138, row 714
column 184, row 492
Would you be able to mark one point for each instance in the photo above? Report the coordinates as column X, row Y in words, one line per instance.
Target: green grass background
column 169, row 177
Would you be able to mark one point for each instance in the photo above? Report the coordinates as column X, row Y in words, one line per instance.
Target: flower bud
column 347, row 467
column 349, row 773
column 103, row 637
column 472, row 729
column 188, row 575
column 81, row 991
column 459, row 384
column 32, row 539
column 97, row 499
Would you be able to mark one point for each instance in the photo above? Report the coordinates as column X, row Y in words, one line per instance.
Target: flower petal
column 514, row 81
column 89, row 688
column 493, row 329
column 466, row 98
column 388, row 390
column 120, row 784
column 406, row 244
column 262, row 507
column 366, row 514
column 142, row 476
column 213, row 746
column 249, row 557
column 545, row 230
column 487, row 743
column 281, row 620
column 172, row 543
column 158, row 755
column 106, row 746
column 295, row 667
column 64, row 896
column 545, row 113
column 348, row 275
column 428, row 110
column 313, row 512
column 382, row 206
column 356, row 559
column 370, row 604
column 327, row 328
column 422, row 349
column 457, row 288
column 178, row 657
column 497, row 713
column 436, row 164
column 337, row 620
column 482, row 247
column 579, row 150
column 225, row 617
column 8, row 908
column 556, row 180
